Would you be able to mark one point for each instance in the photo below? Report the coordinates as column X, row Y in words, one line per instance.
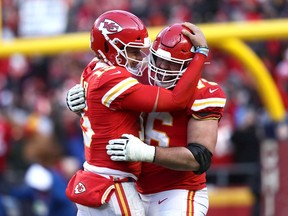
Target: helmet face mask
column 132, row 58
column 168, row 75
column 113, row 33
column 170, row 54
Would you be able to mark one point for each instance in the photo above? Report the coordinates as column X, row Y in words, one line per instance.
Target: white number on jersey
column 158, row 136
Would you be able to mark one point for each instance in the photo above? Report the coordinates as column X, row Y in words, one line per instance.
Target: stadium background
column 45, row 44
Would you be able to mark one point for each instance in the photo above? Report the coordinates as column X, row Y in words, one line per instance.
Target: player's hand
column 130, row 148
column 75, row 99
column 197, row 37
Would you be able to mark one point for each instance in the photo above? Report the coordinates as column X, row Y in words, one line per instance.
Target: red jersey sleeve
column 164, row 100
column 209, row 101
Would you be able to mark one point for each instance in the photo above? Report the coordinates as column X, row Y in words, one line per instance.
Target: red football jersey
column 103, row 117
column 170, row 130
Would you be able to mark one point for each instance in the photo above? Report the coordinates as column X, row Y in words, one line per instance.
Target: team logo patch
column 110, row 27
column 80, row 188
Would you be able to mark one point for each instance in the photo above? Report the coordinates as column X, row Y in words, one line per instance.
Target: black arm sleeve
column 202, row 155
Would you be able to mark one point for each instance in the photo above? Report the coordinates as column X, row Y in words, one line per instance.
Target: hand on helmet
column 130, row 148
column 197, row 37
column 75, row 98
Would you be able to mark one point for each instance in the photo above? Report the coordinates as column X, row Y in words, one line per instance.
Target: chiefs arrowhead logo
column 80, row 188
column 110, row 27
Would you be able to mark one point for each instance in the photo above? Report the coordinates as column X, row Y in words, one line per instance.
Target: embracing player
column 173, row 178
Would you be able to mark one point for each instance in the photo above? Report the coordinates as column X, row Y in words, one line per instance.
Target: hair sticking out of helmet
column 115, row 31
column 170, row 54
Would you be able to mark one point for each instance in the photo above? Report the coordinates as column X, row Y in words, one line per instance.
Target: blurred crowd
column 41, row 140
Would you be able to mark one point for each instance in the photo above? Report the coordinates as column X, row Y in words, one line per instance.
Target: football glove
column 75, row 99
column 130, row 148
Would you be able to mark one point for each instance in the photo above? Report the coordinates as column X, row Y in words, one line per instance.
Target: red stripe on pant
column 121, row 198
column 190, row 206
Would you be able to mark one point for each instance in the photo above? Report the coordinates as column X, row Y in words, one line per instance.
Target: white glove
column 75, row 98
column 130, row 148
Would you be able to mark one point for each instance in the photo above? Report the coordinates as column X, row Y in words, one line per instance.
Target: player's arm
column 151, row 98
column 195, row 157
column 201, row 141
column 202, row 131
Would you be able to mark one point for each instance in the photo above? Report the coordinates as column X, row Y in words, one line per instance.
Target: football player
column 114, row 101
column 172, row 180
